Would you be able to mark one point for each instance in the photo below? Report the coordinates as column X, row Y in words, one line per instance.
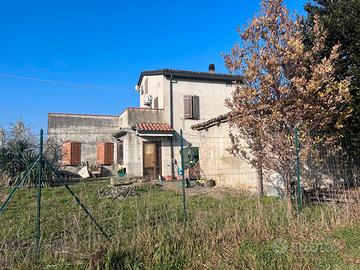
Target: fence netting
column 146, row 216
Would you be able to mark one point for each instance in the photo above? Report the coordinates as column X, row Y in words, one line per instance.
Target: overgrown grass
column 148, row 233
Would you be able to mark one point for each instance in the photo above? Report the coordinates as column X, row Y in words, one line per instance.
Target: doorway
column 151, row 160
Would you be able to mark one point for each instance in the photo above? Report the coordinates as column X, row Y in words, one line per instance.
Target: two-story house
column 146, row 140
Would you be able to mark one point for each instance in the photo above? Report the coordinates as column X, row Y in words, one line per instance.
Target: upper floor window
column 191, row 107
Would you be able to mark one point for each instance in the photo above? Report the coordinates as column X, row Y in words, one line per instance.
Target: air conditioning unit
column 148, row 100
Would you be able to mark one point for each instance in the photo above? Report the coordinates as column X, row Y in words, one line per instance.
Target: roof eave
column 204, row 76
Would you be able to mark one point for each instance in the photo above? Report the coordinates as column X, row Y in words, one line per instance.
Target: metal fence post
column 183, row 176
column 38, row 196
column 298, row 173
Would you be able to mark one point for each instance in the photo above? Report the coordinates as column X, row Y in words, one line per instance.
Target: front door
column 152, row 160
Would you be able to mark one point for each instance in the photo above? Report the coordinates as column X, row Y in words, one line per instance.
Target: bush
column 18, row 151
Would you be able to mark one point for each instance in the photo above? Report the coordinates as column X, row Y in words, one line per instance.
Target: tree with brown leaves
column 284, row 86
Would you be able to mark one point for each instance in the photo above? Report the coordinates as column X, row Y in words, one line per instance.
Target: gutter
column 172, row 126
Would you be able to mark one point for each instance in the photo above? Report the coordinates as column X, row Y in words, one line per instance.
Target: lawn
column 147, row 232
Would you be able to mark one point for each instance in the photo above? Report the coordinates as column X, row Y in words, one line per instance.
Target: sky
column 86, row 56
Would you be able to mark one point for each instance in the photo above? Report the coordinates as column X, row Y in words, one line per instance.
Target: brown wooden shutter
column 105, row 153
column 71, row 153
column 75, row 153
column 188, row 113
column 196, row 107
column 109, row 153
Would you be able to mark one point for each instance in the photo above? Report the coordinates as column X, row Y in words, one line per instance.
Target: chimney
column 212, row 68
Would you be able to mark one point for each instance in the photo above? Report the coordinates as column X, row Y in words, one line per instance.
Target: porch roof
column 153, row 129
column 147, row 129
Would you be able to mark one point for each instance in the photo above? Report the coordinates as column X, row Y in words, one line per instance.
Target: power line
column 28, row 78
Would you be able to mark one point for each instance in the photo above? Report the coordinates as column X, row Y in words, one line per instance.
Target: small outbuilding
column 218, row 163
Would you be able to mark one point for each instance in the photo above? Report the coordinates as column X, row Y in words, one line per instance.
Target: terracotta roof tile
column 158, row 127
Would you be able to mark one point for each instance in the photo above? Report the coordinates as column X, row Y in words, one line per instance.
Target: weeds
column 147, row 233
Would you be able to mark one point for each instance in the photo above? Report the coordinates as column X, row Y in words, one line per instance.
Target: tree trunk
column 260, row 181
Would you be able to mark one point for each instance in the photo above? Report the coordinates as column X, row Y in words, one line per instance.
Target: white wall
column 212, row 96
column 156, row 88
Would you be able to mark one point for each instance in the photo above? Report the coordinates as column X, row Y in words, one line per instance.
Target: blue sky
column 106, row 43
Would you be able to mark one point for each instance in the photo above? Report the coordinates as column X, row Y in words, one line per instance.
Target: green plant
column 18, row 151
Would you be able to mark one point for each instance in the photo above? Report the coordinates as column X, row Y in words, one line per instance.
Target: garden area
column 226, row 231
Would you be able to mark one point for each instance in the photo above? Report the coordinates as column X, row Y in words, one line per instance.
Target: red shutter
column 75, row 153
column 188, row 114
column 196, row 107
column 66, row 153
column 71, row 153
column 100, row 153
column 105, row 153
column 109, row 153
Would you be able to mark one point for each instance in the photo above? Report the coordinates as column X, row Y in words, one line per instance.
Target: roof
column 82, row 114
column 212, row 122
column 190, row 75
column 230, row 115
column 153, row 127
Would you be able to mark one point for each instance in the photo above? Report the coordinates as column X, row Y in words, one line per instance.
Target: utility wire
column 12, row 76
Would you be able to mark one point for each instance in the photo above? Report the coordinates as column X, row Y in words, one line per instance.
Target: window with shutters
column 120, row 152
column 71, row 153
column 191, row 107
column 105, row 153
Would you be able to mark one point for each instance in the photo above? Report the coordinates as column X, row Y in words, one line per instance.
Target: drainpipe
column 172, row 126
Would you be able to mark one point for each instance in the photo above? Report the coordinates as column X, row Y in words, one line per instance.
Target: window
column 191, row 107
column 156, row 103
column 105, row 153
column 120, row 152
column 71, row 153
column 146, row 86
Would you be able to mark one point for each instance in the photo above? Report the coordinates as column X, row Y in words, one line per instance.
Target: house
column 146, row 140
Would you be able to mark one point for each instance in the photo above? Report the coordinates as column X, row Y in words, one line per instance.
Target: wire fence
column 327, row 174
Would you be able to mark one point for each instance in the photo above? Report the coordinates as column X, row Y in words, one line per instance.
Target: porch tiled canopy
column 153, row 129
column 144, row 129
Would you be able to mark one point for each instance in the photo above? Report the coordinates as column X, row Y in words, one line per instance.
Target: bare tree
column 284, row 86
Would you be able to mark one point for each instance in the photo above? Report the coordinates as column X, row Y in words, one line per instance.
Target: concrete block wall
column 87, row 129
column 219, row 164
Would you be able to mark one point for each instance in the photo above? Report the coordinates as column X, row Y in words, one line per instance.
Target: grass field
column 147, row 232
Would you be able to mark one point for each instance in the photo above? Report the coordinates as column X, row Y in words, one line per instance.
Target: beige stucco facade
column 161, row 100
column 212, row 95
